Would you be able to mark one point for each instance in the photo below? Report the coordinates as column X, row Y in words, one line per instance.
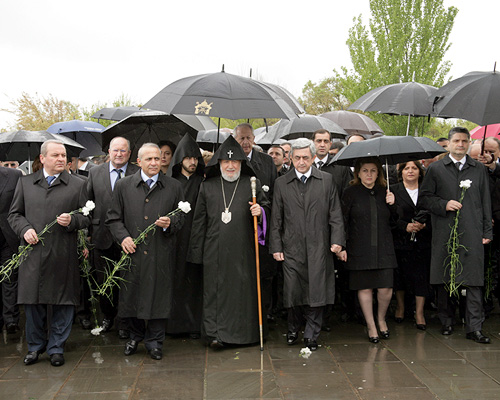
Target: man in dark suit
column 9, row 243
column 100, row 187
column 49, row 277
column 266, row 173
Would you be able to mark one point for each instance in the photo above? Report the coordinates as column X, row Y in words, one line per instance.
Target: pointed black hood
column 187, row 147
column 229, row 150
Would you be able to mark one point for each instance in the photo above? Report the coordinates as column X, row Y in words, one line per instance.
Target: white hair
column 143, row 149
column 302, row 143
column 43, row 148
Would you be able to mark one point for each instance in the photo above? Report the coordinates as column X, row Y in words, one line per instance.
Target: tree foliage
column 36, row 113
column 323, row 97
column 121, row 101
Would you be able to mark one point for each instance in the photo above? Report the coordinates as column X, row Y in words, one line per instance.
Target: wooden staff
column 253, row 181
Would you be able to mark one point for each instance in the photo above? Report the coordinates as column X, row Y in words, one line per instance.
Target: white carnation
column 305, row 352
column 265, row 188
column 96, row 331
column 184, row 206
column 465, row 184
column 89, row 206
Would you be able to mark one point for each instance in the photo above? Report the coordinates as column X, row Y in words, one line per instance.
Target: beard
column 233, row 178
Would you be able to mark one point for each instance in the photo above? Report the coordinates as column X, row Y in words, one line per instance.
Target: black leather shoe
column 291, row 337
column 56, row 359
column 373, row 339
column 156, row 354
column 312, row 344
column 123, row 334
column 216, row 344
column 32, row 357
column 85, row 324
column 446, row 330
column 12, row 328
column 107, row 324
column 478, row 337
column 130, row 347
column 385, row 334
column 421, row 327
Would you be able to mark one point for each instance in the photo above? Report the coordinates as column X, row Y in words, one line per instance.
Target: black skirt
column 371, row 278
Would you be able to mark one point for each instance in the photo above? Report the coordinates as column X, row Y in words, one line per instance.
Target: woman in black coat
column 369, row 214
column 412, row 242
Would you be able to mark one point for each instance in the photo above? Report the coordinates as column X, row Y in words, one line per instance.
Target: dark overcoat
column 441, row 184
column 369, row 221
column 340, row 174
column 265, row 171
column 306, row 220
column 99, row 190
column 50, row 274
column 147, row 290
column 8, row 182
column 227, row 252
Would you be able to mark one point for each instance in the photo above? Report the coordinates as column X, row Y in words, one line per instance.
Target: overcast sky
column 93, row 51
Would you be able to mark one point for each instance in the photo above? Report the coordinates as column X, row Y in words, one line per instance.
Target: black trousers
column 474, row 313
column 312, row 316
column 152, row 331
column 8, row 290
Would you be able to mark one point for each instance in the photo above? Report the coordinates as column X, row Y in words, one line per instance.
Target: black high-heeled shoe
column 385, row 334
column 373, row 339
column 398, row 320
column 421, row 327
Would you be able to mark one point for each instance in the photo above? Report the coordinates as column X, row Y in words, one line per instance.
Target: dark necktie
column 303, row 179
column 320, row 164
column 50, row 179
column 150, row 182
column 119, row 172
column 458, row 165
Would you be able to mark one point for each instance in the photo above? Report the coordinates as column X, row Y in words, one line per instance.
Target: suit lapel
column 404, row 196
column 3, row 179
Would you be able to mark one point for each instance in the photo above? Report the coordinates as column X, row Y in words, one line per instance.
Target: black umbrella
column 154, row 126
column 221, row 95
column 115, row 113
column 25, row 145
column 304, row 126
column 287, row 96
column 474, row 97
column 87, row 133
column 389, row 150
column 209, row 138
column 408, row 98
column 354, row 123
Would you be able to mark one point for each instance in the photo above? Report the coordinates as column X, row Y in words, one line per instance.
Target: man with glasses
column 101, row 183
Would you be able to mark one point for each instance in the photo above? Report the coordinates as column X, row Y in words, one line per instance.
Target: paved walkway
column 410, row 365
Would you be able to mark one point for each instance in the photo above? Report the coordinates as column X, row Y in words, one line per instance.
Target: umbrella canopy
column 409, row 98
column 474, row 97
column 389, row 149
column 353, row 123
column 304, row 126
column 87, row 133
column 480, row 132
column 115, row 113
column 153, row 126
column 210, row 136
column 221, row 95
column 25, row 145
column 287, row 96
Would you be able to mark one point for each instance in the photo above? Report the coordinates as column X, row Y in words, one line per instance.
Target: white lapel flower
column 89, row 206
column 465, row 184
column 265, row 188
column 184, row 206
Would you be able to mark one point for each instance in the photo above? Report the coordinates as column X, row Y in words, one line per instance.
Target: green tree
column 406, row 41
column 323, row 97
column 36, row 113
column 121, row 101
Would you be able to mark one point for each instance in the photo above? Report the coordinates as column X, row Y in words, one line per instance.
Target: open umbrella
column 304, row 126
column 389, row 150
column 87, row 133
column 115, row 113
column 408, row 98
column 25, row 145
column 153, row 126
column 480, row 132
column 353, row 123
column 209, row 138
column 221, row 95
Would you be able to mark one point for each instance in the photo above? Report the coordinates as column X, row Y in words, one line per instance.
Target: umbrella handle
column 387, row 172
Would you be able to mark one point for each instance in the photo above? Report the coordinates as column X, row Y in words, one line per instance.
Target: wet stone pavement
column 411, row 364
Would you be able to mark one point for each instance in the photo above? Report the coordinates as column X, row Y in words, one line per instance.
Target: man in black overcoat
column 306, row 228
column 50, row 275
column 9, row 242
column 138, row 201
column 101, row 182
column 440, row 194
column 188, row 167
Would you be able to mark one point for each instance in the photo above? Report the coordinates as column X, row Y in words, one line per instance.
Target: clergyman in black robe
column 222, row 239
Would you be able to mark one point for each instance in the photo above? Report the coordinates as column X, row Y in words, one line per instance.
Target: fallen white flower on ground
column 96, row 331
column 305, row 352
